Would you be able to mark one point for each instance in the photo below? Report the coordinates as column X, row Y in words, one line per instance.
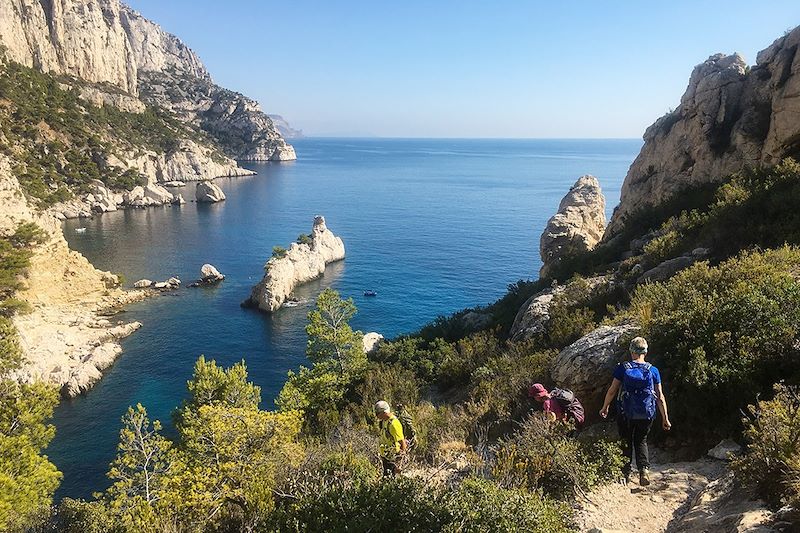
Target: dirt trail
column 694, row 496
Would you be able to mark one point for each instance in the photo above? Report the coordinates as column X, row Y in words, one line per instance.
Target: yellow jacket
column 391, row 437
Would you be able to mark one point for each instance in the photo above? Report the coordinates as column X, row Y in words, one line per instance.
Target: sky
column 463, row 68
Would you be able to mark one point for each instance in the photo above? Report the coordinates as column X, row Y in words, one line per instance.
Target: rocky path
column 695, row 496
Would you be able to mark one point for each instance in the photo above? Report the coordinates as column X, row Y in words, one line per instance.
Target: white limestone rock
column 143, row 284
column 577, row 227
column 210, row 274
column 209, row 192
column 158, row 194
column 533, row 316
column 731, row 117
column 371, row 342
column 725, row 450
column 300, row 264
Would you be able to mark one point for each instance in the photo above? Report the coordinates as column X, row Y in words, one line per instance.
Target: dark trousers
column 634, row 439
column 390, row 467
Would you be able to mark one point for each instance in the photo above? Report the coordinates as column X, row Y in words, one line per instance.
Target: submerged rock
column 300, row 263
column 209, row 192
column 577, row 226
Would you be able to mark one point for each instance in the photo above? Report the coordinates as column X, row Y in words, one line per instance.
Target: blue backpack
column 637, row 400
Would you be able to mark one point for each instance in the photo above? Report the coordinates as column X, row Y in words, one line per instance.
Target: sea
column 432, row 225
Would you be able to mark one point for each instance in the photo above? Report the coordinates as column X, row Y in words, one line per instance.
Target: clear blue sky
column 462, row 68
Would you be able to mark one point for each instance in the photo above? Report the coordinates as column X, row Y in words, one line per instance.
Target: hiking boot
column 644, row 477
column 626, row 476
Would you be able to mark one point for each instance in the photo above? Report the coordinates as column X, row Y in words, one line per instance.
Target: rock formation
column 284, row 128
column 371, row 342
column 577, row 226
column 106, row 42
column 209, row 192
column 210, row 274
column 64, row 338
column 299, row 264
column 731, row 116
column 585, row 366
column 532, row 317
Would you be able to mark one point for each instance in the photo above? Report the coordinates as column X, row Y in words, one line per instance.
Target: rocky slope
column 577, row 226
column 299, row 264
column 731, row 116
column 66, row 338
column 284, row 128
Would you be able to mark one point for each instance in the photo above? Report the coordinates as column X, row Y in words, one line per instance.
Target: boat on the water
column 80, row 230
column 370, row 293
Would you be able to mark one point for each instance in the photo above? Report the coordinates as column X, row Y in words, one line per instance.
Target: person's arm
column 610, row 395
column 661, row 401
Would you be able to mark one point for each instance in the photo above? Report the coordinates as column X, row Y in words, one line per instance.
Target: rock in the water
column 143, row 284
column 731, row 117
column 577, row 226
column 210, row 274
column 725, row 450
column 585, row 366
column 158, row 194
column 174, row 184
column 301, row 263
column 178, row 199
column 371, row 342
column 208, row 191
column 169, row 285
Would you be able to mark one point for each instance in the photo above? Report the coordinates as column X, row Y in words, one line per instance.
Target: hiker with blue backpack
column 637, row 387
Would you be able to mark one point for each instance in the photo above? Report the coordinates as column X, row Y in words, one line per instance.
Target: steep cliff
column 105, row 42
column 731, row 116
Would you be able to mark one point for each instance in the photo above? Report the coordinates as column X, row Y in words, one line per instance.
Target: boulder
column 177, row 199
column 577, row 226
column 585, row 366
column 158, row 194
column 667, row 269
column 725, row 450
column 532, row 317
column 134, row 195
column 174, row 184
column 371, row 342
column 210, row 274
column 207, row 191
column 143, row 284
column 300, row 264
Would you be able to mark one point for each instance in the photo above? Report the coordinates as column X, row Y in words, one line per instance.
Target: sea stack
column 577, row 226
column 302, row 262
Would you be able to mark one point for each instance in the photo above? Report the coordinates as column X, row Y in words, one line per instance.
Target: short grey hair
column 638, row 345
column 382, row 407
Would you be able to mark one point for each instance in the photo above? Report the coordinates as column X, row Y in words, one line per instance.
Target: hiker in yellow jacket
column 392, row 441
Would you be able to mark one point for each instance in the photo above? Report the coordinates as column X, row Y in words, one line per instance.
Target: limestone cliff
column 577, row 226
column 106, row 42
column 731, row 116
column 299, row 264
column 64, row 338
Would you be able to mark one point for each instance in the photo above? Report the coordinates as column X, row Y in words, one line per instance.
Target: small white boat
column 80, row 230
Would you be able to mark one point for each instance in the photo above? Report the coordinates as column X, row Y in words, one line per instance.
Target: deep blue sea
column 433, row 225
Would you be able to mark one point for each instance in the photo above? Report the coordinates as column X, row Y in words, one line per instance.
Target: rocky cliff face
column 301, row 263
column 104, row 41
column 284, row 128
column 577, row 226
column 730, row 117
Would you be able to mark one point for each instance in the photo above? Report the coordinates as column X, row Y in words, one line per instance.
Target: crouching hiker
column 558, row 404
column 637, row 387
column 392, row 443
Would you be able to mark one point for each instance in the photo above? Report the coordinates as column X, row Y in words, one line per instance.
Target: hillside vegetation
column 61, row 142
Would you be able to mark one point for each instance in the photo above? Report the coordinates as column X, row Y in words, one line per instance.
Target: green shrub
column 304, row 238
column 542, row 455
column 718, row 331
column 279, row 252
column 402, row 504
column 418, row 355
column 470, row 354
column 772, row 461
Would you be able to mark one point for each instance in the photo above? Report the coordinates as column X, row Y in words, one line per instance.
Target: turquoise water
column 433, row 225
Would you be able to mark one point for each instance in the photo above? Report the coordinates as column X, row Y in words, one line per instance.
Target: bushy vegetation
column 723, row 334
column 27, row 478
column 61, row 143
column 279, row 252
column 772, row 461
